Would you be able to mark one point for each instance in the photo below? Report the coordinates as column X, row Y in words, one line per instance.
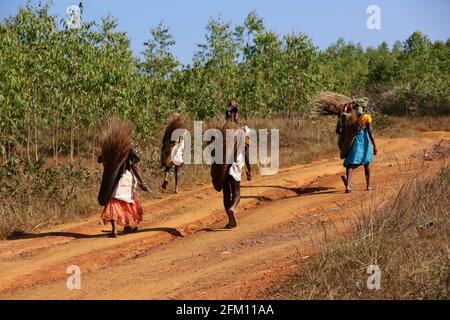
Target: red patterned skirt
column 124, row 213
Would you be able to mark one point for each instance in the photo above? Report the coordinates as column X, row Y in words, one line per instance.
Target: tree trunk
column 57, row 143
column 36, row 145
column 54, row 142
column 71, row 143
column 28, row 137
column 93, row 145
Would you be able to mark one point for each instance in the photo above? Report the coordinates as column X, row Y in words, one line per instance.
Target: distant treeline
column 58, row 85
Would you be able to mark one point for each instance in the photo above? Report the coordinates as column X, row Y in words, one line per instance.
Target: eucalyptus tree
column 215, row 68
column 30, row 31
column 158, row 68
column 302, row 75
column 346, row 67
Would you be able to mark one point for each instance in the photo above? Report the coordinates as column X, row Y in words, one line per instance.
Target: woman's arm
column 137, row 172
column 372, row 138
column 339, row 126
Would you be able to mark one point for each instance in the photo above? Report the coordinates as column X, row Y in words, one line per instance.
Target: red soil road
column 181, row 250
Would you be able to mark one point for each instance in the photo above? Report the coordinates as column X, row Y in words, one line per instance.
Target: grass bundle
column 176, row 121
column 328, row 103
column 116, row 142
column 219, row 170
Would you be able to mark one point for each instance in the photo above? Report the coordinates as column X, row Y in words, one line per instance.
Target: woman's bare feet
column 344, row 180
column 348, row 187
column 232, row 223
column 113, row 233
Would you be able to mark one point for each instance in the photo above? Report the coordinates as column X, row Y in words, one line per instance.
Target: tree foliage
column 58, row 85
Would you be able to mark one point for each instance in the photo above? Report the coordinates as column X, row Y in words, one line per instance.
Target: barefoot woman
column 121, row 174
column 172, row 152
column 363, row 146
column 227, row 176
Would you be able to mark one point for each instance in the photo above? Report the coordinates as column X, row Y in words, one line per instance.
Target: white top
column 177, row 152
column 236, row 168
column 125, row 187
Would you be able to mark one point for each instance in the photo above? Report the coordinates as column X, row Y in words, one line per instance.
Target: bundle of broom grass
column 328, row 103
column 333, row 104
column 116, row 142
column 176, row 121
column 220, row 170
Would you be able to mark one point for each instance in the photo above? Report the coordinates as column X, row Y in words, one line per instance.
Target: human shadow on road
column 260, row 198
column 215, row 229
column 29, row 235
column 174, row 232
column 297, row 191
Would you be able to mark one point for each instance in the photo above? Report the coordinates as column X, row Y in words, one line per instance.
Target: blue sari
column 361, row 151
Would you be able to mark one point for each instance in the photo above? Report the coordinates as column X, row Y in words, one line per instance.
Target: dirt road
column 181, row 250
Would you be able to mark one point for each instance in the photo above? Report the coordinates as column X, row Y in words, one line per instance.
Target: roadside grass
column 402, row 127
column 407, row 238
column 35, row 195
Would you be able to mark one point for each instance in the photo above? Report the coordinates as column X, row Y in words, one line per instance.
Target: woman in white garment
column 177, row 159
column 232, row 181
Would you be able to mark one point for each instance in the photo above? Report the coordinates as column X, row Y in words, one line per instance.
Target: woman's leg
column 349, row 173
column 235, row 198
column 368, row 177
column 177, row 178
column 166, row 178
column 226, row 193
column 235, row 193
column 247, row 162
column 114, row 229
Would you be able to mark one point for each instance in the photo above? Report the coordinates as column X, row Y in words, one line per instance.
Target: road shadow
column 172, row 231
column 260, row 198
column 29, row 235
column 215, row 229
column 105, row 233
column 297, row 191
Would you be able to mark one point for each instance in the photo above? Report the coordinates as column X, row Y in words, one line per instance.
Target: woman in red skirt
column 121, row 176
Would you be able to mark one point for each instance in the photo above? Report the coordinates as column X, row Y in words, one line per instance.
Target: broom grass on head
column 219, row 170
column 328, row 103
column 116, row 142
column 176, row 121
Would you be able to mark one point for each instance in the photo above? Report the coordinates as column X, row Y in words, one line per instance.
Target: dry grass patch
column 407, row 238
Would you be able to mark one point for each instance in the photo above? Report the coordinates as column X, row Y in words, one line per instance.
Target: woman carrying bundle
column 362, row 147
column 232, row 114
column 121, row 174
column 172, row 151
column 356, row 141
column 232, row 169
column 227, row 176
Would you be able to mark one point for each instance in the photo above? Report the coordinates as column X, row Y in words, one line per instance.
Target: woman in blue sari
column 362, row 148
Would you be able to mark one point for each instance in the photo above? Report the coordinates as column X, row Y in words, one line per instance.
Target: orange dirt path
column 181, row 250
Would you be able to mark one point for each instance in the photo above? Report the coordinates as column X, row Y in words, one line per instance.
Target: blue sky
column 323, row 20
